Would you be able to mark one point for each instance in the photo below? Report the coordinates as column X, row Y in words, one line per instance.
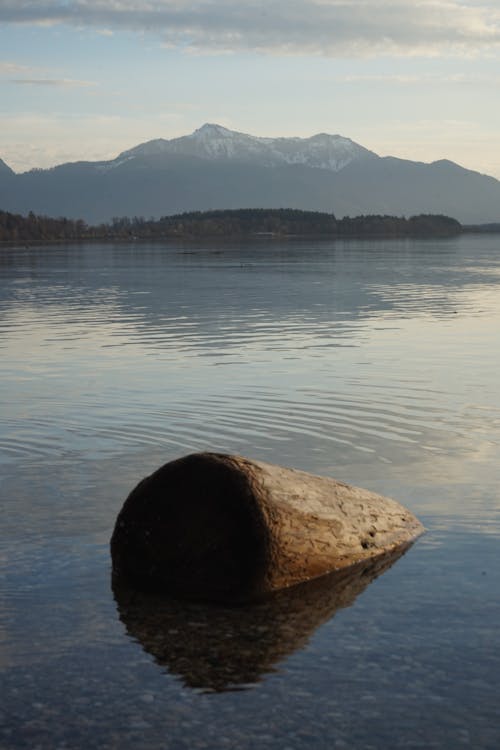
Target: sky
column 87, row 79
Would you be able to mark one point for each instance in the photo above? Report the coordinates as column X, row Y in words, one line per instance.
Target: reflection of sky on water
column 376, row 363
column 355, row 352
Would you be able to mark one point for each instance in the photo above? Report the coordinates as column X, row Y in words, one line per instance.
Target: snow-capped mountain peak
column 215, row 142
column 211, row 130
column 149, row 148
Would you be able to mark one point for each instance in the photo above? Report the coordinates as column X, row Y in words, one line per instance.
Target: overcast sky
column 86, row 79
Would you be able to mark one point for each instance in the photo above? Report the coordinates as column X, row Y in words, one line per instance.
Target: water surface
column 374, row 362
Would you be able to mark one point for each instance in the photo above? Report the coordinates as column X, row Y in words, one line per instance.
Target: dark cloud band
column 320, row 27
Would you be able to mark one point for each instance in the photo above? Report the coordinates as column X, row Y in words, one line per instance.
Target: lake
column 374, row 362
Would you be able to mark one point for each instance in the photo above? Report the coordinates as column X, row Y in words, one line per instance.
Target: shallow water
column 374, row 362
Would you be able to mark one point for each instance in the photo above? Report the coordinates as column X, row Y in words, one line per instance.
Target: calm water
column 374, row 362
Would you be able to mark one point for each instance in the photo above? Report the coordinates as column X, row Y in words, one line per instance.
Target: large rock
column 224, row 527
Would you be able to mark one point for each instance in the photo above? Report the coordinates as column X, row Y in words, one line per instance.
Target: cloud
column 28, row 76
column 34, row 139
column 57, row 82
column 348, row 28
column 419, row 78
column 10, row 68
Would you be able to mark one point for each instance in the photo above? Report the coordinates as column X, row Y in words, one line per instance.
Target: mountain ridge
column 212, row 141
column 5, row 169
column 217, row 168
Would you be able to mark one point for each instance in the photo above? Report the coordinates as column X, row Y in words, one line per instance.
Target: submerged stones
column 226, row 528
column 216, row 647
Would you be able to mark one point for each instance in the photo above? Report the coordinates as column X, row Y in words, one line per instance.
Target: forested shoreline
column 226, row 223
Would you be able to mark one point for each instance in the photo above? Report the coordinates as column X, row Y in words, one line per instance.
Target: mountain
column 216, row 168
column 213, row 142
column 4, row 169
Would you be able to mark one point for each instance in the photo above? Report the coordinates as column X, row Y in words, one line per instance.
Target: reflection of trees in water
column 217, row 648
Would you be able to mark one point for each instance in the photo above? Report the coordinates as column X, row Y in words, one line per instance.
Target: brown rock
column 224, row 527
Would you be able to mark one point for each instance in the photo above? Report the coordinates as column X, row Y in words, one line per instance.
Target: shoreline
column 241, row 225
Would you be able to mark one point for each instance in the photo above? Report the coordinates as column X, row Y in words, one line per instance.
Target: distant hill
column 216, row 168
column 243, row 222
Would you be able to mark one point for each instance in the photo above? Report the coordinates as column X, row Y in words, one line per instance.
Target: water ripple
column 212, row 349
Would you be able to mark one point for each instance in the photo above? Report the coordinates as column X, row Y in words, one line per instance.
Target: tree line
column 230, row 223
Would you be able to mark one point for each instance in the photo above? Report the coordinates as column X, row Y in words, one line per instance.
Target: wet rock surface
column 225, row 528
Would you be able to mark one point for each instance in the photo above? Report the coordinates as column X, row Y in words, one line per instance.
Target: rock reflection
column 216, row 648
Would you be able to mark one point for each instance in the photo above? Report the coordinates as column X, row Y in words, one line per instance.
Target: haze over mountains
column 216, row 168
